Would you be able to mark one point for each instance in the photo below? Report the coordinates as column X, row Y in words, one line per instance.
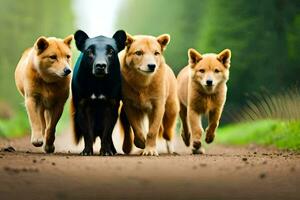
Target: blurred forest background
column 264, row 37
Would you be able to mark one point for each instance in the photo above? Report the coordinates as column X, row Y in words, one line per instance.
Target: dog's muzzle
column 67, row 71
column 100, row 69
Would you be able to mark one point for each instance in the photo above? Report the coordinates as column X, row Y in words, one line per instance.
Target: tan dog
column 202, row 91
column 42, row 78
column 149, row 89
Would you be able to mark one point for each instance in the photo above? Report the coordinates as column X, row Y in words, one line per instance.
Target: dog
column 202, row 91
column 96, row 90
column 42, row 78
column 149, row 89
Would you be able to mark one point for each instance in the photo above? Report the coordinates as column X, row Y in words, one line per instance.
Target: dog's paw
column 197, row 144
column 139, row 143
column 49, row 148
column 170, row 147
column 209, row 138
column 104, row 152
column 150, row 151
column 87, row 152
column 201, row 150
column 37, row 142
column 186, row 138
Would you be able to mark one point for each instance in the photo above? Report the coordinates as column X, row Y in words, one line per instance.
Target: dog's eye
column 217, row 71
column 110, row 52
column 156, row 53
column 53, row 57
column 68, row 56
column 202, row 70
column 138, row 53
column 90, row 54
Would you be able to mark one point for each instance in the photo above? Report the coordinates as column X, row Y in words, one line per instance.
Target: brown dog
column 202, row 90
column 42, row 78
column 149, row 90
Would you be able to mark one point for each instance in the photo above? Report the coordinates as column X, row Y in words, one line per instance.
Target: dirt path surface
column 222, row 173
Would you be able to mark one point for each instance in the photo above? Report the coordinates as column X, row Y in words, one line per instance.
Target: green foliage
column 281, row 134
column 16, row 126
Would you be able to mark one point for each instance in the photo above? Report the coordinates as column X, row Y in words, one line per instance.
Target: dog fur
column 96, row 90
column 42, row 78
column 149, row 89
column 202, row 91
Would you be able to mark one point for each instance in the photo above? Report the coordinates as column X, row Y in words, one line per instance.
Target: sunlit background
column 264, row 37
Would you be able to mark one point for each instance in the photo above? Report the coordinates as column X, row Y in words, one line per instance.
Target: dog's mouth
column 146, row 71
column 209, row 88
column 100, row 75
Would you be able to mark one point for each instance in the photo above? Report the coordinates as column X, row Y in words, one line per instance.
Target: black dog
column 96, row 90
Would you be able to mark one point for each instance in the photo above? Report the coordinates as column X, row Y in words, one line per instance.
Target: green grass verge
column 281, row 134
column 18, row 125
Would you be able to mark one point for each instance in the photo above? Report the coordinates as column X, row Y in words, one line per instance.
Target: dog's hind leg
column 185, row 134
column 127, row 143
column 169, row 125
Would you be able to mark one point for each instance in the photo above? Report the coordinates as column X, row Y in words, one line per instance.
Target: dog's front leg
column 87, row 119
column 34, row 110
column 52, row 115
column 213, row 117
column 155, row 121
column 195, row 126
column 135, row 117
column 107, row 146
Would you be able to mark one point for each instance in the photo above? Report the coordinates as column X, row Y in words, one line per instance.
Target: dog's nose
column 151, row 67
column 67, row 71
column 100, row 66
column 209, row 82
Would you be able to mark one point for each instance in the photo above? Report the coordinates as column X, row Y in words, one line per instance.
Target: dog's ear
column 80, row 38
column 41, row 44
column 224, row 57
column 120, row 38
column 163, row 40
column 129, row 40
column 68, row 40
column 194, row 57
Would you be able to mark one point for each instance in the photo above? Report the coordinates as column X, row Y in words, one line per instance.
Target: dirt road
column 223, row 173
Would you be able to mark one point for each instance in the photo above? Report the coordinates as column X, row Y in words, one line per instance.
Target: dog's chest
column 204, row 104
column 49, row 97
column 140, row 100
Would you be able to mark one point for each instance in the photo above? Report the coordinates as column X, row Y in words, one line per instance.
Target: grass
column 285, row 106
column 18, row 124
column 278, row 133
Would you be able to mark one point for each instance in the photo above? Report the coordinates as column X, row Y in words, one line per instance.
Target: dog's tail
column 128, row 140
column 75, row 130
